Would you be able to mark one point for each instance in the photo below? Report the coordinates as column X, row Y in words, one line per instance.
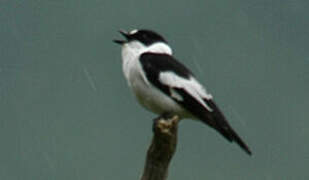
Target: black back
column 153, row 64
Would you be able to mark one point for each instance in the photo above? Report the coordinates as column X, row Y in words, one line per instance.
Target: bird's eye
column 144, row 36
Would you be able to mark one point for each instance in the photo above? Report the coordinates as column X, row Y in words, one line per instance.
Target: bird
column 165, row 86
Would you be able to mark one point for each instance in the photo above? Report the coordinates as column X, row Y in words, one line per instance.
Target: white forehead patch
column 133, row 31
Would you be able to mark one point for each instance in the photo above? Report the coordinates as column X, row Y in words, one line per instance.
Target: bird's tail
column 218, row 122
column 232, row 136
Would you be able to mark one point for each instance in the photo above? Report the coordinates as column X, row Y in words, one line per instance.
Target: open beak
column 125, row 34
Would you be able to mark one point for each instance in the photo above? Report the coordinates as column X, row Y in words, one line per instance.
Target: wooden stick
column 162, row 148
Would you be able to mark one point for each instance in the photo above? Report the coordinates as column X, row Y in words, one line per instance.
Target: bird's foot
column 165, row 122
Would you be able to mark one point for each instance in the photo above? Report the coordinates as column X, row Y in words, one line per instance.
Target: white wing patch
column 191, row 85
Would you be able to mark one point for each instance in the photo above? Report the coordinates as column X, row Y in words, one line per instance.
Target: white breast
column 147, row 95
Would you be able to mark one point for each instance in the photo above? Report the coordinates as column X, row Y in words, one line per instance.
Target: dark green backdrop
column 66, row 112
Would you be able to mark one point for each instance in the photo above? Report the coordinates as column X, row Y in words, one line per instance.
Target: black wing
column 202, row 107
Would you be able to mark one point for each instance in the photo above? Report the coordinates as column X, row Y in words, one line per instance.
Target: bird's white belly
column 153, row 99
column 147, row 95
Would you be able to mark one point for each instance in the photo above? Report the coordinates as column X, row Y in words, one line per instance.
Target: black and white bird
column 163, row 85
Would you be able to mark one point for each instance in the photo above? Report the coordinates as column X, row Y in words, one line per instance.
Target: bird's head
column 144, row 41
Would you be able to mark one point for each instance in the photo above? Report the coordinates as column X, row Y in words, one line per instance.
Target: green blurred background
column 66, row 112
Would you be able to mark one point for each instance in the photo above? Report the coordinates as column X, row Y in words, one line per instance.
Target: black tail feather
column 218, row 122
column 232, row 136
column 212, row 118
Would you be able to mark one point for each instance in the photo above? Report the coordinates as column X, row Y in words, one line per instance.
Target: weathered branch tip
column 162, row 148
